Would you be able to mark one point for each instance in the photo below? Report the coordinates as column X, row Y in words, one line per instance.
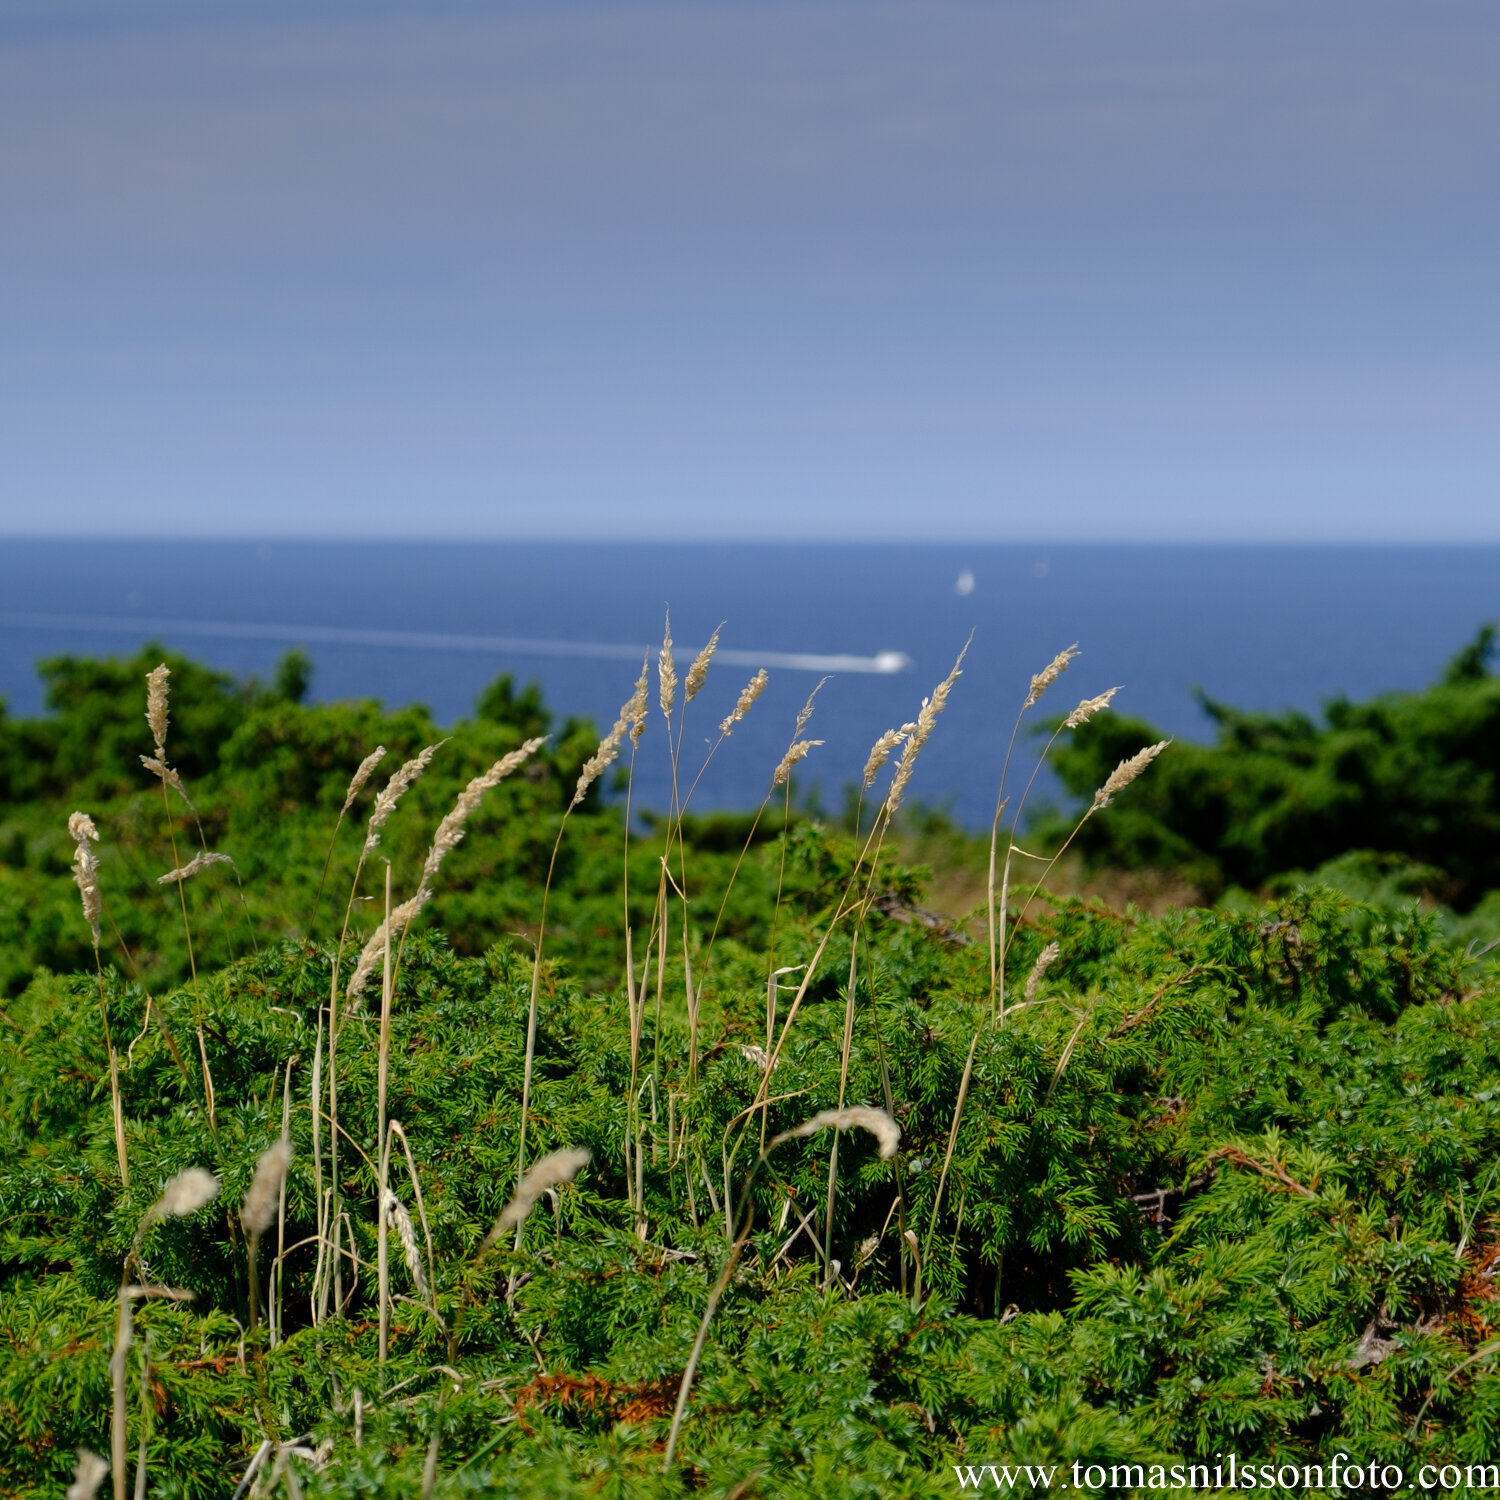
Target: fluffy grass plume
column 880, row 752
column 156, row 707
column 1044, row 961
column 554, row 1169
column 400, row 1220
column 745, row 702
column 185, row 1194
column 374, row 949
column 795, row 752
column 698, row 672
column 638, row 701
column 1088, row 708
column 1126, row 772
column 196, row 865
column 666, row 671
column 604, row 757
column 391, row 793
column 857, row 1117
column 451, row 829
column 89, row 1471
column 361, row 776
column 258, row 1212
column 921, row 732
column 86, row 868
column 1049, row 674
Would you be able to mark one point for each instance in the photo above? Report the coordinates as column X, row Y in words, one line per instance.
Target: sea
column 877, row 625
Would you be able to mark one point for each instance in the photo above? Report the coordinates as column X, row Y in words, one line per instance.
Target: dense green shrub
column 1224, row 1181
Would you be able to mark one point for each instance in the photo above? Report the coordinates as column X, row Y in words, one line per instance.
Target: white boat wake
column 882, row 662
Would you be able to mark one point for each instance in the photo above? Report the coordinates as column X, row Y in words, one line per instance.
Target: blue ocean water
column 1259, row 627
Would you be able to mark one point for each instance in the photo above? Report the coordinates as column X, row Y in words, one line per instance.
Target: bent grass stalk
column 878, row 1123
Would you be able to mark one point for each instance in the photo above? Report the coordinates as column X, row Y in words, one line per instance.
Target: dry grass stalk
column 361, row 776
column 666, row 671
column 400, row 1220
column 88, row 1475
column 554, row 1169
column 880, row 1125
column 856, row 1117
column 746, row 701
column 168, row 776
column 1088, row 708
column 86, row 869
column 156, row 707
column 185, row 1194
column 1126, row 772
column 118, row 1370
column 795, row 753
column 1049, row 674
column 451, row 830
column 698, row 672
column 196, row 865
column 1044, row 961
column 391, row 793
column 258, row 1212
column 921, row 732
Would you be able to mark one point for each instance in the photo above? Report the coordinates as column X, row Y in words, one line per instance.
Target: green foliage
column 1225, row 1183
column 1415, row 775
column 1268, row 1151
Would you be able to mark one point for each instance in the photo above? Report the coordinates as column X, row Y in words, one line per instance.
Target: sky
column 1185, row 270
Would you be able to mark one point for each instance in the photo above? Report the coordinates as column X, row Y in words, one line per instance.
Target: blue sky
column 1083, row 270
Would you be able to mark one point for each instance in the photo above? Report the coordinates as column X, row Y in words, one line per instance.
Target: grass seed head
column 699, row 669
column 604, row 757
column 390, row 794
column 156, row 707
column 374, row 949
column 921, row 731
column 398, row 1218
column 1088, row 708
column 638, row 701
column 258, row 1212
column 185, row 1194
column 86, row 868
column 666, row 671
column 88, row 1474
column 794, row 754
column 1049, row 674
column 362, row 775
column 451, row 830
column 196, row 865
column 807, row 708
column 551, row 1171
column 1044, row 961
column 1126, row 772
column 859, row 1117
column 746, row 701
column 880, row 752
